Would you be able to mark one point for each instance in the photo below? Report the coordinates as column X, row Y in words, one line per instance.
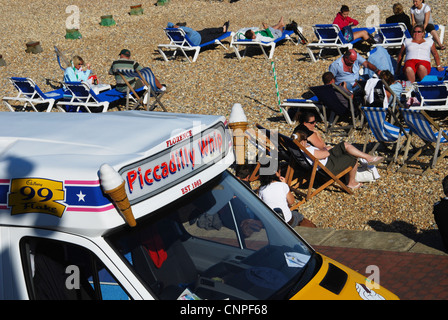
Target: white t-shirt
column 311, row 149
column 274, row 195
column 419, row 51
column 419, row 14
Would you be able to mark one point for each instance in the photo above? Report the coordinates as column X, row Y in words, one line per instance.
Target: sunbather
column 268, row 33
column 124, row 63
column 338, row 158
column 202, row 36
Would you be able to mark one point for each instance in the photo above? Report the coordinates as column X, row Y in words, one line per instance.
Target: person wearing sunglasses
column 417, row 50
column 421, row 15
column 307, row 124
column 77, row 71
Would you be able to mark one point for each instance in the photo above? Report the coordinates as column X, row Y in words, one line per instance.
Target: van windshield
column 218, row 242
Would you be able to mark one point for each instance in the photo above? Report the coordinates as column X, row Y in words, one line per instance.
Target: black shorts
column 339, row 159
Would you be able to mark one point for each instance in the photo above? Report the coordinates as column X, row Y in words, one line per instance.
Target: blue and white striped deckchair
column 421, row 124
column 30, row 95
column 238, row 41
column 180, row 41
column 147, row 77
column 383, row 131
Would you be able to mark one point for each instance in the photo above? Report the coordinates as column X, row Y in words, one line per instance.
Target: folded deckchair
column 329, row 36
column 82, row 98
column 421, row 125
column 239, row 40
column 180, row 41
column 311, row 103
column 150, row 90
column 30, row 95
column 309, row 173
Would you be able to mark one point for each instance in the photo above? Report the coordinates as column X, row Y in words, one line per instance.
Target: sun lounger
column 239, row 40
column 31, row 96
column 179, row 41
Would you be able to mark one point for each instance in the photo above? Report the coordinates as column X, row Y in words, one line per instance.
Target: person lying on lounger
column 201, row 36
column 268, row 33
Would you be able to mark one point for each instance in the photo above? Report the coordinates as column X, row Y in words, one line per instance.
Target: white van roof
column 53, row 159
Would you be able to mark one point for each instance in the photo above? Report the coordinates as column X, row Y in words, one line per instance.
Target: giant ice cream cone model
column 238, row 124
column 113, row 186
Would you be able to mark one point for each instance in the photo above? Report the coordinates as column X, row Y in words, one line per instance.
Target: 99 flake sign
column 36, row 195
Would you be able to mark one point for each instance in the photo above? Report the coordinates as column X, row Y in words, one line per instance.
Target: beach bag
column 366, row 173
column 347, row 33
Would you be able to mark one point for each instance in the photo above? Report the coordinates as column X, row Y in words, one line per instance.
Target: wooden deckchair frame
column 332, row 179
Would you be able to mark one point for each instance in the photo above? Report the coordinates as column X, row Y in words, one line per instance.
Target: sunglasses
column 312, row 122
column 418, row 31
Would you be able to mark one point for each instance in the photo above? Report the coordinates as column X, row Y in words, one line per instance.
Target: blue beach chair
column 30, row 95
column 180, row 41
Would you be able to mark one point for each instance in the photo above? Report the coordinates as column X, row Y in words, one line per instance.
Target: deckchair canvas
column 30, row 96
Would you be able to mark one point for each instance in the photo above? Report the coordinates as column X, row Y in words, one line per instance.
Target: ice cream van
column 141, row 205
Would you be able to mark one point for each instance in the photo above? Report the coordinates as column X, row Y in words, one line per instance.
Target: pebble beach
column 397, row 202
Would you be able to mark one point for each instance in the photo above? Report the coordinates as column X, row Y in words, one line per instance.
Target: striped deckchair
column 384, row 132
column 147, row 77
column 421, row 124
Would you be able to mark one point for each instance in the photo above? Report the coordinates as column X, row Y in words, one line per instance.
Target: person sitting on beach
column 342, row 20
column 307, row 124
column 203, row 36
column 399, row 16
column 418, row 52
column 268, row 33
column 421, row 15
column 76, row 72
column 338, row 158
column 125, row 63
column 274, row 191
column 346, row 69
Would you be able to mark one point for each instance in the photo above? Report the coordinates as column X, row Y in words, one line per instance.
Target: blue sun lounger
column 329, row 36
column 180, row 41
column 82, row 98
column 271, row 45
column 30, row 95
